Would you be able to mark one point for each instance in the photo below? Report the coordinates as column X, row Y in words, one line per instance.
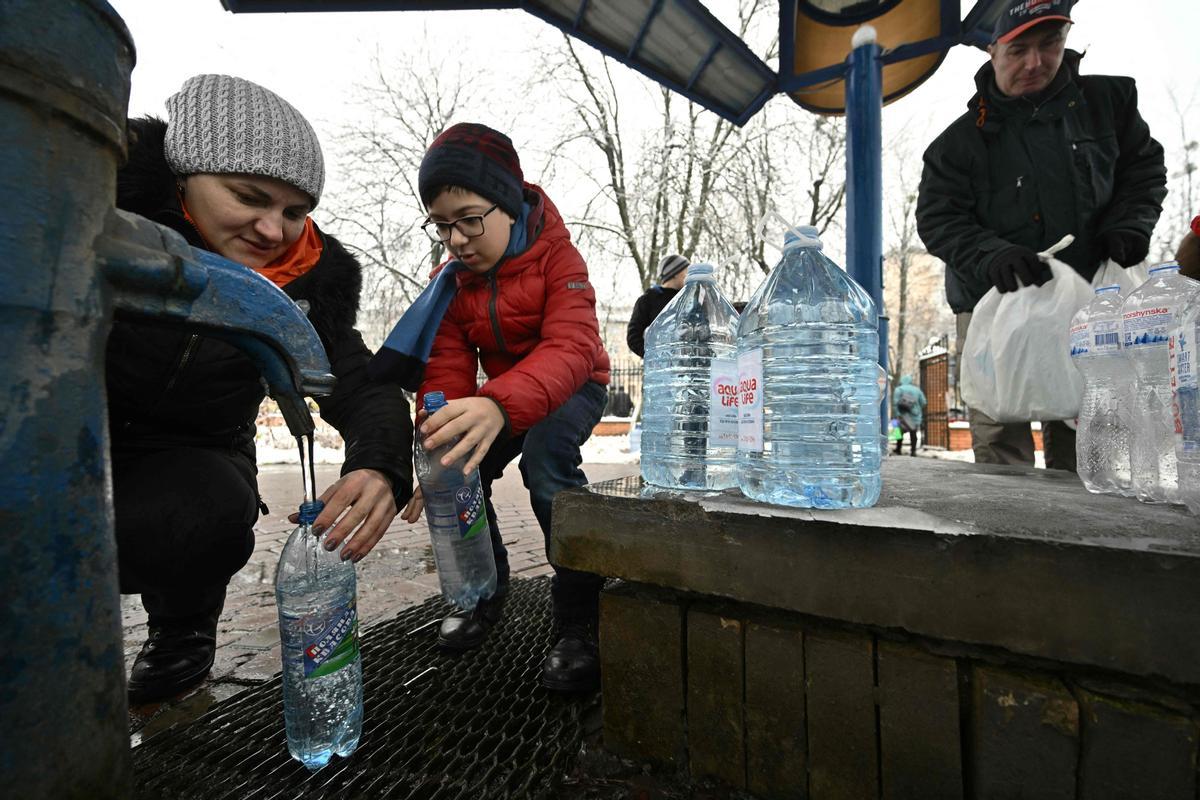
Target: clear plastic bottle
column 808, row 385
column 1185, row 406
column 318, row 627
column 458, row 525
column 1102, row 439
column 690, row 421
column 1147, row 319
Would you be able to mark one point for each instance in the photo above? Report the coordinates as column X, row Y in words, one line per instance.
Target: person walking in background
column 1042, row 152
column 672, row 271
column 908, row 403
column 514, row 297
column 182, row 405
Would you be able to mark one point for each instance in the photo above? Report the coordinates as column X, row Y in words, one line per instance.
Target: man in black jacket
column 1042, row 152
column 672, row 271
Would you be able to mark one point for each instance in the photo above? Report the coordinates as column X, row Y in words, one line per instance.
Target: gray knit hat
column 671, row 265
column 221, row 124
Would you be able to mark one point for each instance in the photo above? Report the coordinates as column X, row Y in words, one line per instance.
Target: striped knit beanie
column 671, row 265
column 221, row 124
column 474, row 157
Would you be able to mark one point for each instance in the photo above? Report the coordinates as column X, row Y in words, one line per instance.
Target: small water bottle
column 690, row 421
column 1185, row 405
column 1102, row 438
column 458, row 525
column 1147, row 319
column 809, row 385
column 316, row 594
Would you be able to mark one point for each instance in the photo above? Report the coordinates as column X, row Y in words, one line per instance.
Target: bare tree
column 1180, row 205
column 690, row 182
column 375, row 206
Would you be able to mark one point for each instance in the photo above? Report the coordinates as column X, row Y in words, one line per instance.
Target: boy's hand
column 365, row 495
column 477, row 420
column 412, row 511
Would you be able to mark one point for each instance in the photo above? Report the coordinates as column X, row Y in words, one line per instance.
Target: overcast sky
column 314, row 60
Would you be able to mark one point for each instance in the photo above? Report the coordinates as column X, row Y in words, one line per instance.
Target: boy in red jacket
column 514, row 297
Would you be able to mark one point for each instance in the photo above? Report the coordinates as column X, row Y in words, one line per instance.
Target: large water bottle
column 1148, row 317
column 1182, row 351
column 689, row 418
column 1102, row 440
column 458, row 525
column 808, row 381
column 318, row 627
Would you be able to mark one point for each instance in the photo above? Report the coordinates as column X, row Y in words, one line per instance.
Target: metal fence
column 935, row 383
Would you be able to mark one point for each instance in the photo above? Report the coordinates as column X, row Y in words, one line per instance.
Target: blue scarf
column 403, row 357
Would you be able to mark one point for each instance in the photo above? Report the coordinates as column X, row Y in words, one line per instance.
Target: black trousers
column 185, row 525
column 550, row 461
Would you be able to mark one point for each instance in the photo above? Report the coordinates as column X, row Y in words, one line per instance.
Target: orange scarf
column 298, row 259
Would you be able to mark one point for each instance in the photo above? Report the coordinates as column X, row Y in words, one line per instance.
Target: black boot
column 573, row 665
column 466, row 630
column 177, row 655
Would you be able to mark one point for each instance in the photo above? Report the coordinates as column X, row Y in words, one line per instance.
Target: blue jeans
column 550, row 460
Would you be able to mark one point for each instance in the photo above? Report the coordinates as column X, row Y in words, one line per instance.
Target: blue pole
column 864, row 179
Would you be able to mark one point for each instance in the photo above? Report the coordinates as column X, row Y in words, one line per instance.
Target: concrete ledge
column 1024, row 560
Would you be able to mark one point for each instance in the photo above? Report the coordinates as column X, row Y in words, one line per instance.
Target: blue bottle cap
column 1113, row 288
column 1169, row 266
column 802, row 236
column 700, row 270
column 310, row 511
column 434, row 401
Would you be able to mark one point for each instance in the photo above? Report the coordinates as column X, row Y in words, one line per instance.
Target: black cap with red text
column 1021, row 15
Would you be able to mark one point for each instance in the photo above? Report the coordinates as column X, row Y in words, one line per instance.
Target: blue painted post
column 64, row 89
column 864, row 179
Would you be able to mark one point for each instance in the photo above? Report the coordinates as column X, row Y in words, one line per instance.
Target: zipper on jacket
column 183, row 362
column 495, row 317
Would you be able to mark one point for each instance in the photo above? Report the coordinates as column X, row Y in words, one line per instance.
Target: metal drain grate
column 473, row 726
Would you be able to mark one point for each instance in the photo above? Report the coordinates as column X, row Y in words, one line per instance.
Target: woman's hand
column 412, row 511
column 358, row 509
column 476, row 420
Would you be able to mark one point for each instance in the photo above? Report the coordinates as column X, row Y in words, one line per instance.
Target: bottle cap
column 1168, row 266
column 802, row 236
column 310, row 511
column 434, row 401
column 1113, row 288
column 700, row 270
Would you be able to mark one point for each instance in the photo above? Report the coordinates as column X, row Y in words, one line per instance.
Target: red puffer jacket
column 530, row 321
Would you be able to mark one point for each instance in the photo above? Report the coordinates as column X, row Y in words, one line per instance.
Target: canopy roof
column 680, row 44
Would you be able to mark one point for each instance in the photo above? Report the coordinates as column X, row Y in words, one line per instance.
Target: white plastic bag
column 1017, row 356
column 1113, row 274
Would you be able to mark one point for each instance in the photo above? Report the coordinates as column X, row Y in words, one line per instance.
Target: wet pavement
column 397, row 574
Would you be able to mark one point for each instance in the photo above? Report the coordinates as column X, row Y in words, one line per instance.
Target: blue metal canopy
column 681, row 45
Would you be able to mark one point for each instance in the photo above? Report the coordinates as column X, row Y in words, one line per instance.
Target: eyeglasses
column 470, row 226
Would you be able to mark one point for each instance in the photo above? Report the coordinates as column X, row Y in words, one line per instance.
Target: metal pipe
column 864, row 179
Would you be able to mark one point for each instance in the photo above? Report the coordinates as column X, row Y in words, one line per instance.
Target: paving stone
column 643, row 687
column 776, row 743
column 919, row 740
column 1133, row 750
column 840, row 684
column 715, row 694
column 1025, row 735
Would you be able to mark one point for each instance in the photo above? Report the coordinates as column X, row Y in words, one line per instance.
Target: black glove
column 1127, row 248
column 1017, row 262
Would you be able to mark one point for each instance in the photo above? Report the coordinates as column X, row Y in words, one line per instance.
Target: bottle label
column 723, row 403
column 330, row 640
column 1105, row 337
column 1149, row 327
column 1079, row 339
column 750, row 401
column 1185, row 387
column 469, row 509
